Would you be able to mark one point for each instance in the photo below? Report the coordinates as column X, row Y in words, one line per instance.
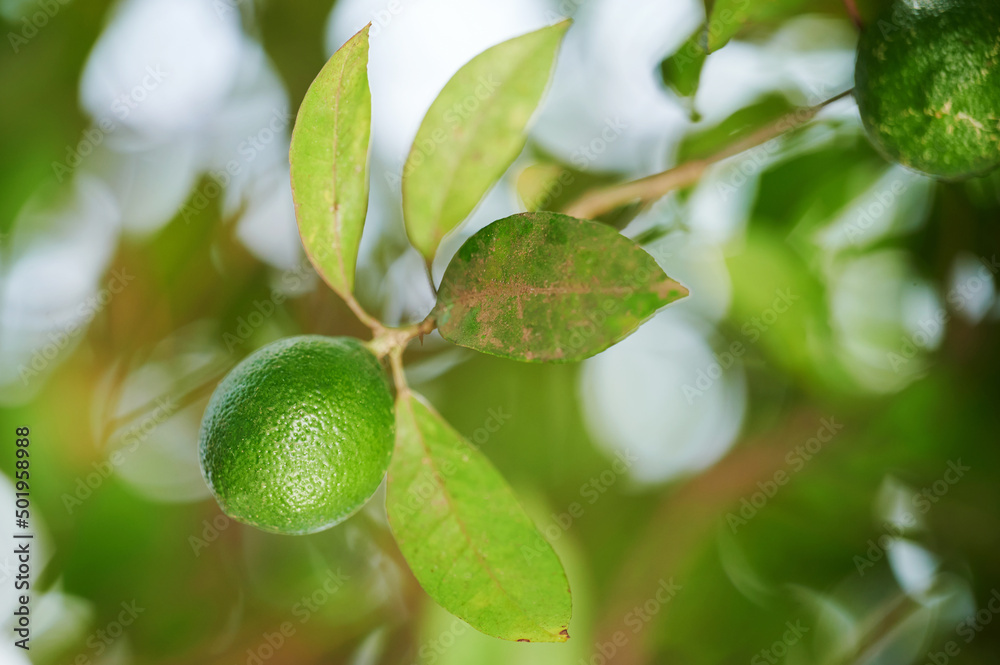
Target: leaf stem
column 600, row 201
column 388, row 341
column 374, row 324
column 398, row 375
column 429, row 266
column 852, row 11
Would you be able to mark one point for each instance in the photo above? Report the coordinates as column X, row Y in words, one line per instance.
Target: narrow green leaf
column 473, row 132
column 549, row 186
column 703, row 142
column 681, row 71
column 329, row 163
column 539, row 185
column 465, row 536
column 544, row 287
column 727, row 18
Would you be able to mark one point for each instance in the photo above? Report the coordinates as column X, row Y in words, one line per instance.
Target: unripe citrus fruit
column 927, row 81
column 298, row 436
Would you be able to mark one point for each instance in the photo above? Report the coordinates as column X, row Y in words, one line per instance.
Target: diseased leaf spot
column 549, row 288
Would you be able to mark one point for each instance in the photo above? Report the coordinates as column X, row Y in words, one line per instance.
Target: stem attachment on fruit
column 854, row 14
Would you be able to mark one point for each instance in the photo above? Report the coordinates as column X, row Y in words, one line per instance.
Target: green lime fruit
column 298, row 436
column 927, row 82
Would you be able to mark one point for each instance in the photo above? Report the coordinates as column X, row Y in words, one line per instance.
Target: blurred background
column 797, row 464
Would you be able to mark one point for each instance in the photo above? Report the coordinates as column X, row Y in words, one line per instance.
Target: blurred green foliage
column 216, row 592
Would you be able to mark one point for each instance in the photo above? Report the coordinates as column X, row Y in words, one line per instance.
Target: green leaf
column 541, row 185
column 728, row 18
column 551, row 186
column 681, row 72
column 465, row 536
column 544, row 287
column 473, row 132
column 707, row 141
column 329, row 163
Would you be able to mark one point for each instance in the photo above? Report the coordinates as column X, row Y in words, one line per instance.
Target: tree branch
column 599, row 201
column 852, row 11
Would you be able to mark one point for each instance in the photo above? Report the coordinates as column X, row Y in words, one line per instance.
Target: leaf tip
column 564, row 634
column 670, row 290
column 361, row 37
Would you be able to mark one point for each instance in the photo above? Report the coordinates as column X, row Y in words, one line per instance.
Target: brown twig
column 600, row 201
column 852, row 11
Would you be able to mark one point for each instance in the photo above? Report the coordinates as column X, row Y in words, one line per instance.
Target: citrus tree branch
column 600, row 201
column 388, row 341
column 852, row 11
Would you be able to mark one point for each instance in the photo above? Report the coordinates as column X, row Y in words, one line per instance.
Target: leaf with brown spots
column 465, row 536
column 544, row 287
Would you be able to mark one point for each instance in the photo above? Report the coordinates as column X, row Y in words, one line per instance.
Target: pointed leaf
column 705, row 141
column 545, row 287
column 681, row 71
column 473, row 132
column 329, row 163
column 549, row 186
column 728, row 18
column 465, row 536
